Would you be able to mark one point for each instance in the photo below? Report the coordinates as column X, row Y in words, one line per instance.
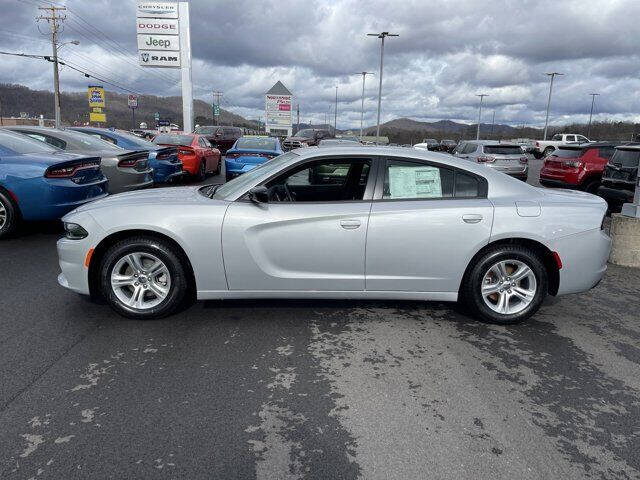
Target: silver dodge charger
column 341, row 222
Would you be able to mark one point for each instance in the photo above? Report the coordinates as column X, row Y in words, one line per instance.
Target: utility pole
column 335, row 114
column 54, row 20
column 216, row 101
column 481, row 95
column 546, row 121
column 364, row 74
column 381, row 36
column 493, row 121
column 297, row 117
column 593, row 99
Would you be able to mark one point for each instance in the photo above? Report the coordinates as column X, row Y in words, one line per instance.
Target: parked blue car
column 248, row 152
column 40, row 182
column 166, row 165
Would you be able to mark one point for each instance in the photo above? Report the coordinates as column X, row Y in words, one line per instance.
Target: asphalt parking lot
column 312, row 389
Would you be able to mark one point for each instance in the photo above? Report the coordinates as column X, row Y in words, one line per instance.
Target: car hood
column 156, row 196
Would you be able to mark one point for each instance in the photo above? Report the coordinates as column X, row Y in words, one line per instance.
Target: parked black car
column 432, row 144
column 620, row 177
column 447, row 146
column 222, row 138
column 305, row 138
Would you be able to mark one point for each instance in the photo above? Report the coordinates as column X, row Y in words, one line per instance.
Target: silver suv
column 502, row 156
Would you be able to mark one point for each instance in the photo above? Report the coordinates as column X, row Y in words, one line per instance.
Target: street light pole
column 593, row 99
column 364, row 74
column 381, row 36
column 335, row 114
column 481, row 95
column 546, row 121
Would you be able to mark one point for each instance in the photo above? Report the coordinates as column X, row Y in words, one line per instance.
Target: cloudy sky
column 447, row 52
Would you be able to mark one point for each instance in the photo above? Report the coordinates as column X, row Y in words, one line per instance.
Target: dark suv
column 222, row 138
column 305, row 138
column 620, row 177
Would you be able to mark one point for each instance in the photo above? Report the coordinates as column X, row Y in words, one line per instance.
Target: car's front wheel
column 506, row 285
column 8, row 215
column 143, row 278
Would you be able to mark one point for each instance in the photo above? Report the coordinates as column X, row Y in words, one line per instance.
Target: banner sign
column 97, row 103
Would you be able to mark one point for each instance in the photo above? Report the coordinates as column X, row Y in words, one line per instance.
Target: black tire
column 591, row 186
column 9, row 216
column 202, row 170
column 470, row 291
column 537, row 155
column 161, row 249
column 548, row 151
column 227, row 177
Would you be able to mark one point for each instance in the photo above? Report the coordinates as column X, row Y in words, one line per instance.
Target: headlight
column 73, row 231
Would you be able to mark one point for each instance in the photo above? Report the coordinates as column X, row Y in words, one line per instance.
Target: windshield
column 256, row 143
column 23, row 144
column 184, row 140
column 567, row 153
column 307, row 133
column 241, row 184
column 503, row 149
column 626, row 158
column 138, row 141
column 206, row 130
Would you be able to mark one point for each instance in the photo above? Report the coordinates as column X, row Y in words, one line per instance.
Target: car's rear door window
column 626, row 158
column 503, row 149
column 412, row 180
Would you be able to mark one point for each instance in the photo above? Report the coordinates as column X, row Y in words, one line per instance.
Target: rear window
column 257, row 143
column 19, row 143
column 503, row 149
column 567, row 153
column 626, row 158
column 185, row 140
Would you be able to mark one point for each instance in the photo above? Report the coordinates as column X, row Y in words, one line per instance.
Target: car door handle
column 472, row 218
column 349, row 224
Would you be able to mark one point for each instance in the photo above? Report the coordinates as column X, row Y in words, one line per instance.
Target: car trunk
column 168, row 153
column 138, row 160
column 622, row 170
column 251, row 156
column 80, row 171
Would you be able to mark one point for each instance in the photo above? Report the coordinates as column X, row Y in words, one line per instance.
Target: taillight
column 69, row 170
column 572, row 164
column 131, row 162
column 524, row 160
column 485, row 159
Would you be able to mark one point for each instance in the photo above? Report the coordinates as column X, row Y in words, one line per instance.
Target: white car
column 544, row 148
column 341, row 222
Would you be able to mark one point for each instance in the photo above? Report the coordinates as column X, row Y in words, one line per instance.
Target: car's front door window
column 324, row 181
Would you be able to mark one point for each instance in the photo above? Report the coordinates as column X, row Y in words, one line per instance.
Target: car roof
column 585, row 145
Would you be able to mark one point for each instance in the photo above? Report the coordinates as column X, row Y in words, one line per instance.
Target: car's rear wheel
column 592, row 186
column 143, row 278
column 506, row 285
column 8, row 215
column 202, row 170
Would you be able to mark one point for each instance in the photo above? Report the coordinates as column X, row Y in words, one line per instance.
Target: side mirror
column 259, row 194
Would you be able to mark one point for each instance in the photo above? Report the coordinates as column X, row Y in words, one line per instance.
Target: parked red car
column 198, row 157
column 577, row 167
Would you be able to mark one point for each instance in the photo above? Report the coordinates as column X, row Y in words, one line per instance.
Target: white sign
column 157, row 10
column 278, row 110
column 414, row 182
column 157, row 26
column 158, row 58
column 132, row 101
column 158, row 42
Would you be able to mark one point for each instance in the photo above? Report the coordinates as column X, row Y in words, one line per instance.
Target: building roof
column 279, row 89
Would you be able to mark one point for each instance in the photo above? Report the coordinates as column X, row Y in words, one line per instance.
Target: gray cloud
column 446, row 53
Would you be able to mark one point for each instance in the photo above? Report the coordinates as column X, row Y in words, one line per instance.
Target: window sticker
column 414, row 182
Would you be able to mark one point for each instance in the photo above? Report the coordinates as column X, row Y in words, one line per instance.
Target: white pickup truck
column 545, row 147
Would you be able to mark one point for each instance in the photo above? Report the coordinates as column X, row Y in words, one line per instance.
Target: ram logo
column 144, row 57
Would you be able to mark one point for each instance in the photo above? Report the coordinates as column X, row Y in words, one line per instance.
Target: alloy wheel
column 508, row 287
column 140, row 280
column 3, row 215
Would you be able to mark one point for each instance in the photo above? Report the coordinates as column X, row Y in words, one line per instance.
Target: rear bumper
column 584, row 260
column 236, row 168
column 126, row 180
column 164, row 171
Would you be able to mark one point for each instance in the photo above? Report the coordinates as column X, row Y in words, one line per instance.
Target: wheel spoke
column 157, row 268
column 137, row 298
column 503, row 303
column 158, row 290
column 122, row 280
column 522, row 272
column 489, row 289
column 135, row 260
column 523, row 294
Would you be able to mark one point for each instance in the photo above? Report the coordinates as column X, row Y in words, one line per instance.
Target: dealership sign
column 157, row 10
column 158, row 34
column 132, row 101
column 97, row 103
column 157, row 26
column 158, row 58
column 158, row 42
